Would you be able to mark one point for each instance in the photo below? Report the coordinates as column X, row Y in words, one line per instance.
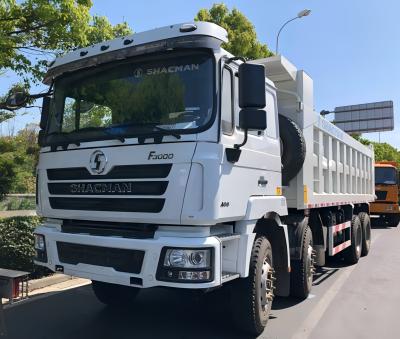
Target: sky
column 351, row 48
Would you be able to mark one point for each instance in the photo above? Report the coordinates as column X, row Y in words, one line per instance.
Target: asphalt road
column 360, row 301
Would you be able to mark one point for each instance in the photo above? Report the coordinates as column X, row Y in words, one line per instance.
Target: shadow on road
column 157, row 313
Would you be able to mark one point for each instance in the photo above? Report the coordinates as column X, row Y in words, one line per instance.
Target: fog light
column 194, row 275
column 40, row 242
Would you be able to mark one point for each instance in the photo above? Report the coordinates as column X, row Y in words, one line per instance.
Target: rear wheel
column 301, row 276
column 366, row 232
column 252, row 297
column 352, row 254
column 113, row 294
column 394, row 219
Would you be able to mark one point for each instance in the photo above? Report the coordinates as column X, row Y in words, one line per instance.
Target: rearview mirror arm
column 237, row 146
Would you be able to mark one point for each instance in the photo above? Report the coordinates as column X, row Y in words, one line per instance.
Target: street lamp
column 304, row 12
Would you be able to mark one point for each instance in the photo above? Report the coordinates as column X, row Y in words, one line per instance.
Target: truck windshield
column 169, row 93
column 385, row 175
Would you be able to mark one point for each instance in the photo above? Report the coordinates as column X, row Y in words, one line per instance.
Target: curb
column 48, row 281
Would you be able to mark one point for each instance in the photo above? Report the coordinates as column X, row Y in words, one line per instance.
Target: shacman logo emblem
column 138, row 73
column 98, row 162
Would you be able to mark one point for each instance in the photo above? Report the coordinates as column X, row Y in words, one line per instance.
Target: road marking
column 318, row 311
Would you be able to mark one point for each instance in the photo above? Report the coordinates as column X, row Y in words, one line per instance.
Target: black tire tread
column 298, row 275
column 293, row 150
column 243, row 291
column 350, row 254
column 365, row 222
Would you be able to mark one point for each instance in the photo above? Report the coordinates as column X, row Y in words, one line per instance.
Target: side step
column 229, row 248
column 228, row 236
column 228, row 276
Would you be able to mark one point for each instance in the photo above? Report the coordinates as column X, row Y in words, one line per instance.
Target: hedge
column 17, row 245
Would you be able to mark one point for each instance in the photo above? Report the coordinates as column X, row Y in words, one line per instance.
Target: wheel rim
column 358, row 240
column 267, row 284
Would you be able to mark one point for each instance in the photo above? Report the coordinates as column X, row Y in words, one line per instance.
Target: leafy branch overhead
column 242, row 35
column 35, row 31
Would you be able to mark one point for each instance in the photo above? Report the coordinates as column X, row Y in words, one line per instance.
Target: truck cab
column 386, row 205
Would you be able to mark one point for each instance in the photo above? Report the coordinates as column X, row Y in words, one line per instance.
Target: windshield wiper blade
column 65, row 137
column 167, row 132
column 105, row 130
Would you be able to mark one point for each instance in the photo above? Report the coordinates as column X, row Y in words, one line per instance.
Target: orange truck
column 386, row 205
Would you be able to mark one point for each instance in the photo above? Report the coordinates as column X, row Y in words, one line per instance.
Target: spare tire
column 293, row 148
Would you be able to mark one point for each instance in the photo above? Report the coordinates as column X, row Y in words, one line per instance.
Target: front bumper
column 181, row 237
column 377, row 208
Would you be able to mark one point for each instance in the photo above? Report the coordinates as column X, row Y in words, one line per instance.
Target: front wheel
column 114, row 295
column 252, row 297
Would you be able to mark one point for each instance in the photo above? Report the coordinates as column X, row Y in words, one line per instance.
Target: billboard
column 364, row 118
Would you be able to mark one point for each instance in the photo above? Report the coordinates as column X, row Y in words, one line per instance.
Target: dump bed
column 337, row 168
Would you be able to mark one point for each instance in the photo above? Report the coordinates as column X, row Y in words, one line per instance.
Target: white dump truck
column 167, row 161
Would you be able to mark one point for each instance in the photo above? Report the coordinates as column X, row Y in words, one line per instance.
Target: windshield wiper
column 105, row 130
column 154, row 126
column 65, row 137
column 167, row 132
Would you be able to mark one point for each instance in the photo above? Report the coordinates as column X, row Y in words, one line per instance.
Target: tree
column 241, row 32
column 383, row 151
column 32, row 32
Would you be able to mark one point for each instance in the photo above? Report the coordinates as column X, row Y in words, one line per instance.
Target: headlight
column 186, row 258
column 40, row 247
column 40, row 242
column 184, row 264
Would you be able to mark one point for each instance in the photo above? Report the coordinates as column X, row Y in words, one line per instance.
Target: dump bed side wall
column 337, row 169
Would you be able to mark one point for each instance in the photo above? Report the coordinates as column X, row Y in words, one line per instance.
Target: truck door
column 257, row 171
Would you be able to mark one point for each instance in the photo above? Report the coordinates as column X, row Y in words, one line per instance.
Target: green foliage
column 18, row 159
column 241, row 32
column 34, row 31
column 7, row 173
column 17, row 244
column 12, row 203
column 383, row 151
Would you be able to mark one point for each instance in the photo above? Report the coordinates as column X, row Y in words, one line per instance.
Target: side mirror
column 41, row 138
column 251, row 86
column 17, row 99
column 252, row 119
column 45, row 112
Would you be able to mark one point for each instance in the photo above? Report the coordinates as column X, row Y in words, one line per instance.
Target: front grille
column 109, row 188
column 381, row 195
column 145, row 205
column 118, row 172
column 103, row 228
column 122, row 260
column 72, row 188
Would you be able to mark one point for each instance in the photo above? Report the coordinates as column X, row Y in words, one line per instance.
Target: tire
column 366, row 233
column 352, row 254
column 301, row 275
column 393, row 219
column 293, row 148
column 114, row 295
column 251, row 297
